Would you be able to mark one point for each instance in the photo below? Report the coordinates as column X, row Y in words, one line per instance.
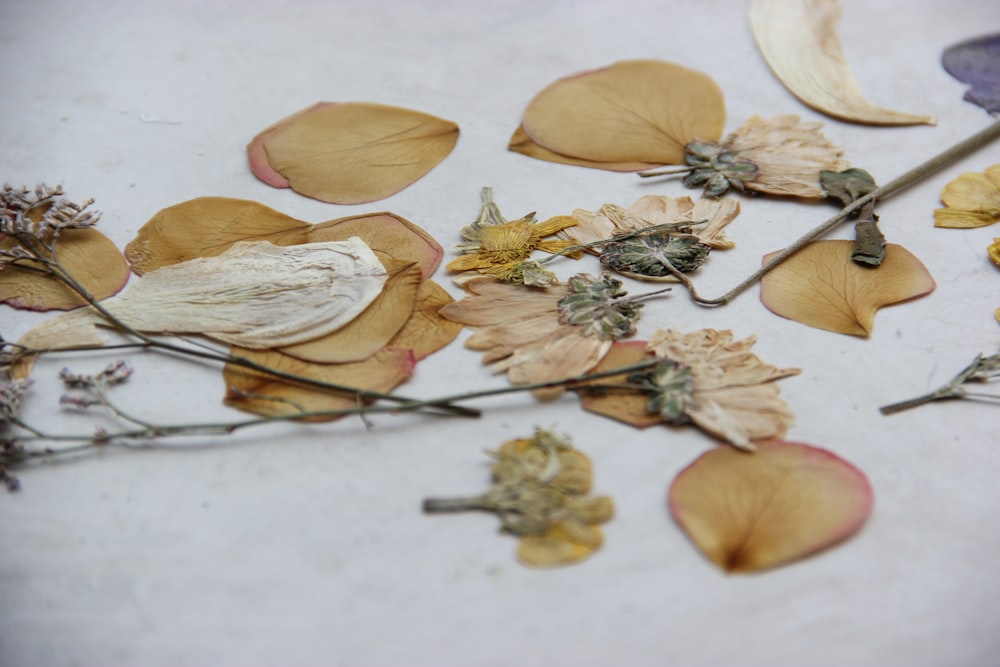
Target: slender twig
column 982, row 369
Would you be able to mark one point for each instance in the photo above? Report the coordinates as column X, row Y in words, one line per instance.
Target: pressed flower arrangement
column 326, row 320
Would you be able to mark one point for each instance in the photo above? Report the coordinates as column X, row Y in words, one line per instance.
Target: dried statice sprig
column 42, row 213
column 982, row 369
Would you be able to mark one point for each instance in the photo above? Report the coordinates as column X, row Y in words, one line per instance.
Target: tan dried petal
column 352, row 152
column 86, row 254
column 632, row 111
column 521, row 143
column 971, row 200
column 800, row 42
column 821, row 287
column 427, row 331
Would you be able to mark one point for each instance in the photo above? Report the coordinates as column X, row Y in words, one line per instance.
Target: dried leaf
column 269, row 397
column 255, row 294
column 821, row 287
column 971, row 200
column 521, row 143
column 207, row 226
column 632, row 111
column 786, row 501
column 351, row 152
column 977, row 63
column 800, row 42
column 86, row 254
column 372, row 330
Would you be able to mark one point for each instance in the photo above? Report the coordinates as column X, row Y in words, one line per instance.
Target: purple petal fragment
column 977, row 63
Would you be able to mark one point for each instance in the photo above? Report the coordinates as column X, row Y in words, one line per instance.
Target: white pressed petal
column 255, row 295
column 799, row 41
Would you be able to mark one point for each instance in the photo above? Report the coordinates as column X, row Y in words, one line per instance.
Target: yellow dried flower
column 497, row 246
column 971, row 200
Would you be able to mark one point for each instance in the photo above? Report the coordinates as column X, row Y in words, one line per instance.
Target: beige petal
column 266, row 396
column 372, row 330
column 800, row 42
column 821, row 287
column 208, row 226
column 427, row 331
column 786, row 501
column 632, row 111
column 86, row 254
column 352, row 152
column 521, row 143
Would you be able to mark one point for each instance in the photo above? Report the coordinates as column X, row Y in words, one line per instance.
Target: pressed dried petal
column 563, row 544
column 786, row 501
column 972, row 200
column 521, row 143
column 352, row 152
column 208, row 226
column 255, row 294
column 427, row 331
column 994, row 251
column 267, row 396
column 86, row 254
column 821, row 287
column 799, row 41
column 975, row 62
column 607, row 397
column 631, row 111
column 371, row 330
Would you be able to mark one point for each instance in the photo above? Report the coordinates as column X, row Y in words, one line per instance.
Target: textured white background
column 305, row 545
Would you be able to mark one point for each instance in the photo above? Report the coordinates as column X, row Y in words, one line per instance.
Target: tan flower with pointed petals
column 733, row 390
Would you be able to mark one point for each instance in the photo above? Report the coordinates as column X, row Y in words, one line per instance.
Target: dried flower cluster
column 540, row 487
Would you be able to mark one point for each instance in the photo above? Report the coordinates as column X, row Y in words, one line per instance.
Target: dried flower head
column 544, row 334
column 705, row 378
column 539, row 492
column 10, row 399
column 498, row 247
column 780, row 156
column 42, row 213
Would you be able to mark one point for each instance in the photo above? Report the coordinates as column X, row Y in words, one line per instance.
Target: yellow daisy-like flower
column 971, row 200
column 499, row 247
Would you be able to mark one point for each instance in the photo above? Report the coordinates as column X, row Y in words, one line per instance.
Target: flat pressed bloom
column 971, row 200
column 720, row 385
column 498, row 247
column 549, row 333
column 779, row 156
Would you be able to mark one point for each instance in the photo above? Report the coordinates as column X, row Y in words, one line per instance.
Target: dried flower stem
column 915, row 175
column 982, row 369
column 11, row 455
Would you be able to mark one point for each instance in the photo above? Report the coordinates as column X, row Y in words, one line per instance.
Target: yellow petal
column 994, row 251
column 821, row 287
column 561, row 545
column 799, row 41
column 632, row 111
column 971, row 200
column 521, row 143
column 749, row 512
column 86, row 254
column 353, row 152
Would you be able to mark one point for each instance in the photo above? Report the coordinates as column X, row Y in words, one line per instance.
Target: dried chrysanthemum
column 539, row 492
column 706, row 378
column 780, row 156
column 971, row 200
column 498, row 247
column 545, row 334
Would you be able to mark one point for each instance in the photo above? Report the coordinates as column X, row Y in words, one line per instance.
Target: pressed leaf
column 86, row 254
column 971, row 200
column 788, row 500
column 377, row 324
column 255, row 294
column 208, row 226
column 521, row 143
column 267, row 396
column 821, row 287
column 631, row 111
column 977, row 63
column 351, row 152
column 800, row 42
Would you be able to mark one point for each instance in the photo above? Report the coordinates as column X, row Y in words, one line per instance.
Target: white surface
column 305, row 545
